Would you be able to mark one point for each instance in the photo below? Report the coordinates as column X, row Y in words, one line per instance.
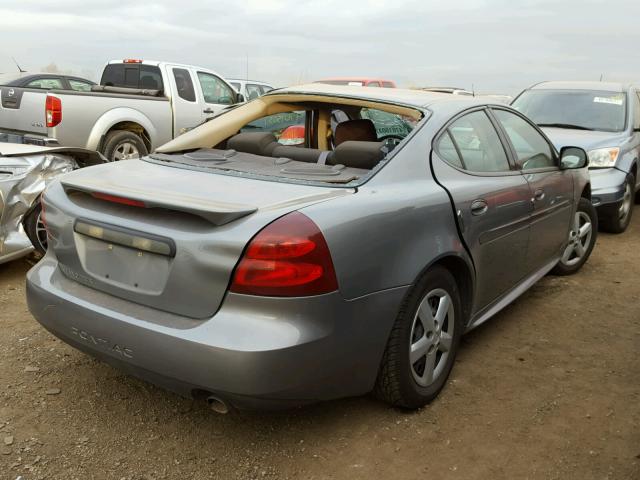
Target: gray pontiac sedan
column 256, row 274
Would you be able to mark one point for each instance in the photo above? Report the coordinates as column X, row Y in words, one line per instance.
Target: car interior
column 342, row 141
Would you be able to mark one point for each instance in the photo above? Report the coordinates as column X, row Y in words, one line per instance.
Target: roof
column 581, row 85
column 259, row 82
column 354, row 79
column 19, row 79
column 415, row 98
column 158, row 63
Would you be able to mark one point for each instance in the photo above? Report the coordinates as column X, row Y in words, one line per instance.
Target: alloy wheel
column 41, row 233
column 579, row 239
column 431, row 337
column 126, row 151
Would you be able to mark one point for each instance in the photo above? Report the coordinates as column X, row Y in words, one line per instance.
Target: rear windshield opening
column 319, row 142
column 132, row 75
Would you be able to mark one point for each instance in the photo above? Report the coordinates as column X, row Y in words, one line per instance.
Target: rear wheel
column 582, row 238
column 34, row 227
column 423, row 343
column 616, row 218
column 123, row 145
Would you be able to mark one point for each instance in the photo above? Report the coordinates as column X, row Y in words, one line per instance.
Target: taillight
column 53, row 110
column 288, row 258
column 117, row 199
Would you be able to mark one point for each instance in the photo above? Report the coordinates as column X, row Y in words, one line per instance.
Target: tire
column 582, row 239
column 403, row 383
column 123, row 145
column 615, row 218
column 34, row 229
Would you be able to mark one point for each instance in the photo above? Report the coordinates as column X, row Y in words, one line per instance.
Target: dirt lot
column 550, row 389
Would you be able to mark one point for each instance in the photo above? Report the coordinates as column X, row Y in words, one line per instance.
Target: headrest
column 309, row 155
column 257, row 143
column 353, row 154
column 362, row 130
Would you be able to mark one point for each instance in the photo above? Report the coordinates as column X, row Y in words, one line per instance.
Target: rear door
column 551, row 188
column 215, row 93
column 491, row 201
column 187, row 111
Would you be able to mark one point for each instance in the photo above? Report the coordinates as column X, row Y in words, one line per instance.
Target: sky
column 493, row 46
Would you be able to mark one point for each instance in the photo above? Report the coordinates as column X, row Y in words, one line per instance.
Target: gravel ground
column 549, row 389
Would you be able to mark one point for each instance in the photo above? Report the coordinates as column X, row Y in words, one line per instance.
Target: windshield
column 580, row 109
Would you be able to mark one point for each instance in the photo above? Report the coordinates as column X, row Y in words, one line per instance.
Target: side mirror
column 240, row 98
column 573, row 157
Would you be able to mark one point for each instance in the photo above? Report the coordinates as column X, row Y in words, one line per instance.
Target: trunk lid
column 176, row 241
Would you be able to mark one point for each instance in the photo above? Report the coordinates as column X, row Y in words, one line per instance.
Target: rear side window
column 79, row 85
column 288, row 127
column 387, row 85
column 184, row 85
column 447, row 151
column 132, row 75
column 478, row 144
column 388, row 124
column 253, row 91
column 532, row 150
column 45, row 83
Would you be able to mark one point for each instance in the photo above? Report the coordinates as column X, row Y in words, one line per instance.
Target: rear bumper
column 256, row 352
column 607, row 186
column 28, row 139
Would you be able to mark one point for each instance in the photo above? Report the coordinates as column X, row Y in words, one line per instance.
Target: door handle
column 539, row 195
column 208, row 110
column 479, row 207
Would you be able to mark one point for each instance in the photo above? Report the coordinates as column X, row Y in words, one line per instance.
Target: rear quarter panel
column 396, row 225
column 87, row 117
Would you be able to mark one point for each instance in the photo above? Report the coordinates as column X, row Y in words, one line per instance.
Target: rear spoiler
column 217, row 213
column 129, row 91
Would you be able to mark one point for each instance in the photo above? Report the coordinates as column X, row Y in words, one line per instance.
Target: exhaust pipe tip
column 217, row 405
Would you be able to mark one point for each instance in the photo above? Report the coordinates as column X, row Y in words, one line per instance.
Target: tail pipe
column 217, row 405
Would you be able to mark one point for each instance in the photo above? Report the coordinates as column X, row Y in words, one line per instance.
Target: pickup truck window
column 215, row 90
column 184, row 85
column 253, row 91
column 79, row 86
column 45, row 83
column 132, row 76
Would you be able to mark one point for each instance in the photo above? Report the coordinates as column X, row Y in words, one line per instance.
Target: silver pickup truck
column 138, row 106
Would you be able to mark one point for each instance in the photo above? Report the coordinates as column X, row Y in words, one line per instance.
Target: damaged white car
column 25, row 171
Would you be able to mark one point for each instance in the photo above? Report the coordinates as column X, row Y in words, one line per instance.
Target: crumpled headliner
column 25, row 171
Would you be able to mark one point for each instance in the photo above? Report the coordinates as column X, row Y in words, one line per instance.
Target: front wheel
column 423, row 343
column 616, row 218
column 582, row 238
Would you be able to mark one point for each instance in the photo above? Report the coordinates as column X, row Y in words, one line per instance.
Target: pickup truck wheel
column 123, row 145
column 34, row 227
